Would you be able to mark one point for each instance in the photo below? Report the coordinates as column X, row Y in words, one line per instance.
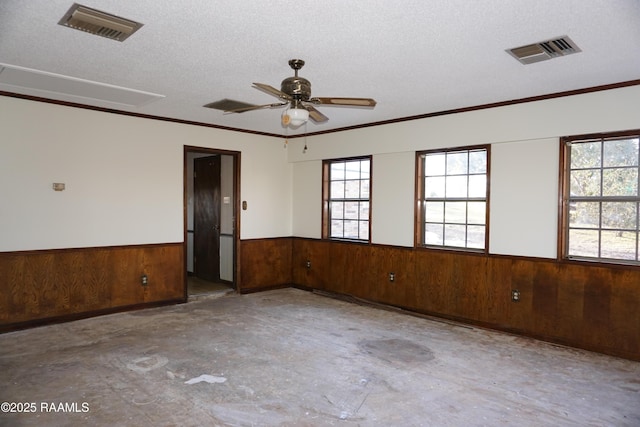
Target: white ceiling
column 414, row 57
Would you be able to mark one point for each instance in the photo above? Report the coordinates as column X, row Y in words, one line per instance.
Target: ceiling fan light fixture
column 295, row 117
column 295, row 92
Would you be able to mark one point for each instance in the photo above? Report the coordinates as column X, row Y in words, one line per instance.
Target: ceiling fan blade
column 316, row 115
column 256, row 107
column 352, row 102
column 272, row 91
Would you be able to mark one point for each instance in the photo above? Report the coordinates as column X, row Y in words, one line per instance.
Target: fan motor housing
column 296, row 87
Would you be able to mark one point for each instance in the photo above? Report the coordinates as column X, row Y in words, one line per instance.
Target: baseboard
column 11, row 327
column 264, row 288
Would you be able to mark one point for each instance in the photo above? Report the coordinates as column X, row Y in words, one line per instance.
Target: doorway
column 211, row 187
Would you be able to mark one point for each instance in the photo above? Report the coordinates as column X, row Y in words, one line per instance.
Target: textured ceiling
column 413, row 57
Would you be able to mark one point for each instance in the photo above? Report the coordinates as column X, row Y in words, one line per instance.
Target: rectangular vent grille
column 543, row 51
column 99, row 23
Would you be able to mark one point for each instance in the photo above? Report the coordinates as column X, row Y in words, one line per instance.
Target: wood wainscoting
column 593, row 307
column 39, row 287
column 265, row 264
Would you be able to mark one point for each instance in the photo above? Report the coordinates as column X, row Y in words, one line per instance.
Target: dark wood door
column 206, row 217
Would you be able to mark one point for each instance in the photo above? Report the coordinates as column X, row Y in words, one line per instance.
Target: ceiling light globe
column 298, row 116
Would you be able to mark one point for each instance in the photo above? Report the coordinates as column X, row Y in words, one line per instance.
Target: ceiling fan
column 296, row 93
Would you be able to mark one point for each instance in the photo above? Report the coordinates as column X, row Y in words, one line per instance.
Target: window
column 452, row 198
column 346, row 192
column 600, row 198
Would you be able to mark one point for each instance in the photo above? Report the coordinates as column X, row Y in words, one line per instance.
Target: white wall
column 307, row 209
column 524, row 175
column 227, row 196
column 524, row 198
column 267, row 189
column 123, row 176
column 392, row 194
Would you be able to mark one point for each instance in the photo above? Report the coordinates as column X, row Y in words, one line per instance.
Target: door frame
column 236, row 210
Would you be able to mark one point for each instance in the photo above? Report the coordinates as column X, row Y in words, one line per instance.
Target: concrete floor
column 294, row 358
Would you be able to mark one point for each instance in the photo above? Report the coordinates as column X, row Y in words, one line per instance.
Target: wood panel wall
column 593, row 307
column 264, row 264
column 41, row 286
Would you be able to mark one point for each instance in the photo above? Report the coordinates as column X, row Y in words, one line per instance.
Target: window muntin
column 347, row 198
column 453, row 198
column 602, row 203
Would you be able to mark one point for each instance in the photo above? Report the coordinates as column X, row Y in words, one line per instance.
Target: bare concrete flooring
column 294, row 358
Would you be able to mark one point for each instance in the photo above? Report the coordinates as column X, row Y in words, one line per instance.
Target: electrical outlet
column 308, row 264
column 392, row 277
column 144, row 280
column 515, row 295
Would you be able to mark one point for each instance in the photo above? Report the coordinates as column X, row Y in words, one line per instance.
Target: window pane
column 337, row 229
column 364, row 189
column 618, row 245
column 434, row 164
column 477, row 185
column 607, row 173
column 583, row 243
column 337, row 189
column 351, row 210
column 456, row 186
column 475, row 236
column 454, row 199
column 364, row 210
column 619, row 215
column 337, row 171
column 585, row 183
column 433, row 234
column 476, row 213
column 585, row 155
column 434, row 187
column 434, row 211
column 352, row 189
column 455, row 212
column 364, row 230
column 457, row 163
column 365, row 169
column 620, row 182
column 337, row 210
column 352, row 170
column 478, row 161
column 348, row 199
column 454, row 235
column 622, row 152
column 585, row 215
column 351, row 230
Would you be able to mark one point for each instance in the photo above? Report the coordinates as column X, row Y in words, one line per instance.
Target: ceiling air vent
column 542, row 51
column 99, row 23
